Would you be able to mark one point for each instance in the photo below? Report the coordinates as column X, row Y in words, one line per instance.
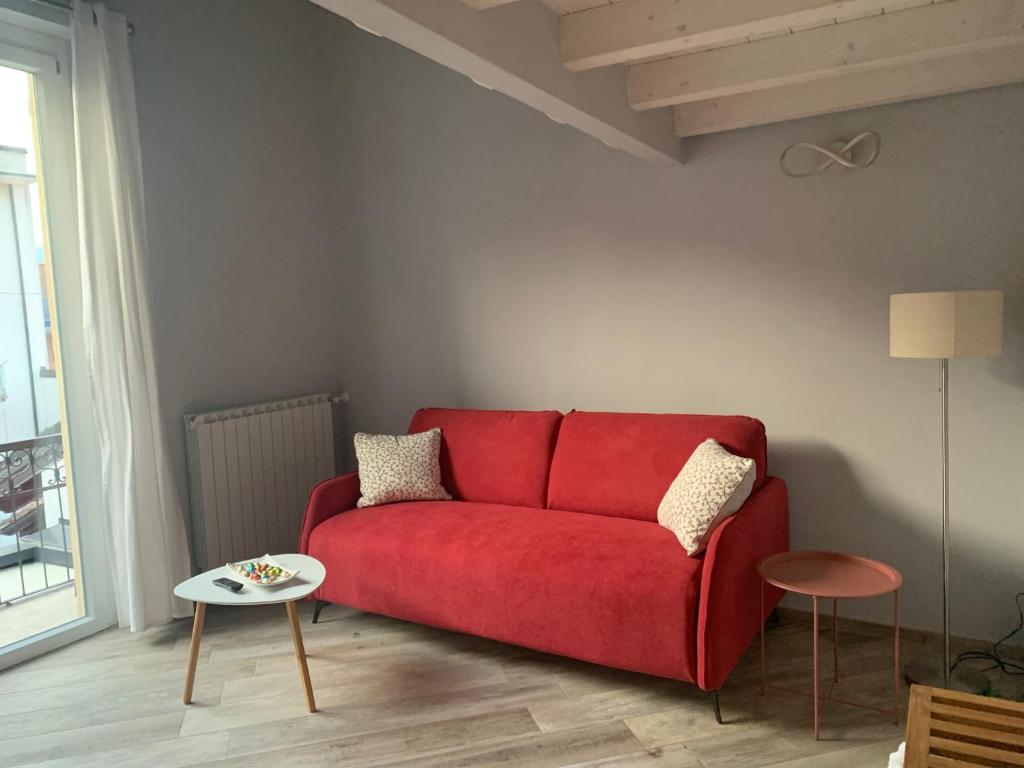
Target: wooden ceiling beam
column 855, row 90
column 878, row 42
column 515, row 51
column 562, row 7
column 632, row 30
column 558, row 6
column 483, row 5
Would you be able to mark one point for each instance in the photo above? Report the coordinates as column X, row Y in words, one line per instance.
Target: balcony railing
column 34, row 522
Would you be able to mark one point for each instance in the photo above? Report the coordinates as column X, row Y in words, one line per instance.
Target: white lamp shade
column 946, row 324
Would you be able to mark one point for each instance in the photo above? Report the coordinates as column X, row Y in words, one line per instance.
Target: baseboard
column 918, row 636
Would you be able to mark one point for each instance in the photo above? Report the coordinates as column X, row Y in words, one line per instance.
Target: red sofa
column 552, row 542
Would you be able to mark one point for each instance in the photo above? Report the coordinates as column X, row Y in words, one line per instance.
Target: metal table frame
column 819, row 700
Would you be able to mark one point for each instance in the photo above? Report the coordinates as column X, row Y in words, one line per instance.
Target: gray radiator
column 250, row 472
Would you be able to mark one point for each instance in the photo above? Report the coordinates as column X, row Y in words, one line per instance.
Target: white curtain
column 143, row 512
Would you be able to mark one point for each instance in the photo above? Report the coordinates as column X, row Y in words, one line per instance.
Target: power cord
column 994, row 656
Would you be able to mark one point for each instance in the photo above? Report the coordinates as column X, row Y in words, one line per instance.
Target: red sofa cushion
column 608, row 590
column 493, row 456
column 622, row 464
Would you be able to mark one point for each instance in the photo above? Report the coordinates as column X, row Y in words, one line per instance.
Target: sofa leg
column 317, row 608
column 718, row 708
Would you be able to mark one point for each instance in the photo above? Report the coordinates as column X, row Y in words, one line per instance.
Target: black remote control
column 234, row 586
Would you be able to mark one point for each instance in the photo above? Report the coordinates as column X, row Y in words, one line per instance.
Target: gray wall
column 244, row 233
column 505, row 261
column 327, row 210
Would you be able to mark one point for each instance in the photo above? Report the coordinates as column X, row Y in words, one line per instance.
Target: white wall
column 244, row 235
column 504, row 261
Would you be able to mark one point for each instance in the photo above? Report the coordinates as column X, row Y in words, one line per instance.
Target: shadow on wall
column 1010, row 365
column 817, row 470
column 344, row 450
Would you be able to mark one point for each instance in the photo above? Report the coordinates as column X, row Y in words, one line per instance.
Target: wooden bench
column 946, row 729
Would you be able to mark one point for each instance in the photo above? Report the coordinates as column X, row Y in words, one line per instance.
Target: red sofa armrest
column 729, row 614
column 325, row 501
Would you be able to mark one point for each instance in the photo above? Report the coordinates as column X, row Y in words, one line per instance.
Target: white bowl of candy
column 263, row 571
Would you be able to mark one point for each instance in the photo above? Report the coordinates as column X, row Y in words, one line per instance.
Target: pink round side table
column 835, row 576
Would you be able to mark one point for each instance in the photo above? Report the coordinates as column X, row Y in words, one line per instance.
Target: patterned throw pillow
column 399, row 468
column 712, row 485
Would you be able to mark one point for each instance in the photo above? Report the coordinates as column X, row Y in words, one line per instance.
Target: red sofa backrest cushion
column 621, row 464
column 501, row 457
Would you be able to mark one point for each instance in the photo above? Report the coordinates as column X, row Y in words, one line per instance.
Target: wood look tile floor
column 396, row 694
column 37, row 613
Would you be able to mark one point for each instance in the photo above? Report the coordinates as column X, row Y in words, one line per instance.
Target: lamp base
column 960, row 679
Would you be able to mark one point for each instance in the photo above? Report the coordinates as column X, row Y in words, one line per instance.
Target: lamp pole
column 944, row 379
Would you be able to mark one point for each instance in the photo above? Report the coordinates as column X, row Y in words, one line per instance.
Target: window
column 52, row 547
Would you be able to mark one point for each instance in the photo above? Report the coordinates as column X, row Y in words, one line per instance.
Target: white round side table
column 202, row 591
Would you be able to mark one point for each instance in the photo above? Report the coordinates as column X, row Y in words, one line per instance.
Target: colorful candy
column 260, row 572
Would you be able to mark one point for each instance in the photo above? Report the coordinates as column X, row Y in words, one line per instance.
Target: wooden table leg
column 193, row 651
column 817, row 711
column 300, row 654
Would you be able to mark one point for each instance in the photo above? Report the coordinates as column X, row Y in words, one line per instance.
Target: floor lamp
column 940, row 326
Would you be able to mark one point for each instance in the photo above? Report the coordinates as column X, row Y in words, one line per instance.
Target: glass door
column 50, row 529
